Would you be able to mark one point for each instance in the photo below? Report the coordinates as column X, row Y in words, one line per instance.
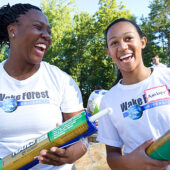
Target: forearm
column 79, row 149
column 137, row 159
column 116, row 161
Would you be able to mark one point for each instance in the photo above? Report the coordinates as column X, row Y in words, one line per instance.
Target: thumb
column 146, row 144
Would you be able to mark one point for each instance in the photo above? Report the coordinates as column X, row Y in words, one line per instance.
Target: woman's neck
column 20, row 71
column 136, row 76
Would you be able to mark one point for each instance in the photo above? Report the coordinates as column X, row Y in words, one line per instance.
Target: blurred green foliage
column 78, row 46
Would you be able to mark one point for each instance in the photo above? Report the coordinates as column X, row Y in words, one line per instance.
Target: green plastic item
column 96, row 109
column 67, row 126
column 1, row 164
column 162, row 153
column 160, row 149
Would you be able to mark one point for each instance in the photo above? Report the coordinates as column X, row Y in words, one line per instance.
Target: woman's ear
column 11, row 31
column 107, row 51
column 143, row 41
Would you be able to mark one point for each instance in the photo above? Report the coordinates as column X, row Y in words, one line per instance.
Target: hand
column 56, row 156
column 138, row 159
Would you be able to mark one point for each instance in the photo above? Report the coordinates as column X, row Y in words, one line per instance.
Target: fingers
column 156, row 163
column 160, row 164
column 58, row 151
column 146, row 144
column 142, row 148
column 56, row 161
column 169, row 162
column 54, row 150
column 55, row 156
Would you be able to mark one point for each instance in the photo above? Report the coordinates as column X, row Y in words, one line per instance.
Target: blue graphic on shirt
column 9, row 103
column 135, row 112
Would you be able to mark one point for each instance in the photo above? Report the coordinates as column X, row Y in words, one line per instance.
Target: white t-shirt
column 159, row 65
column 124, row 128
column 55, row 92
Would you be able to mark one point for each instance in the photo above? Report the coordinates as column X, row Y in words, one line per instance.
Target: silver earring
column 13, row 35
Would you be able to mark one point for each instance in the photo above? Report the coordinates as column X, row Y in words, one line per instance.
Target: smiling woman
column 30, row 33
column 124, row 44
column 140, row 100
column 46, row 95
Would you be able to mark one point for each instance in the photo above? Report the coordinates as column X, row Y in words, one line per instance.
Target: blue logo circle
column 135, row 112
column 9, row 105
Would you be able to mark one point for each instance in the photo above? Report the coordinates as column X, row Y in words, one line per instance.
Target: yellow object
column 70, row 131
column 57, row 137
column 160, row 149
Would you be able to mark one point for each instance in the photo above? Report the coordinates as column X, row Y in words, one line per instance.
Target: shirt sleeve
column 71, row 98
column 107, row 133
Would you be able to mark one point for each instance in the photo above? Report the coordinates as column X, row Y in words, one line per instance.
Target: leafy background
column 78, row 46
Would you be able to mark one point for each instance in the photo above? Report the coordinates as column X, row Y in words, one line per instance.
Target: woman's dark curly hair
column 10, row 14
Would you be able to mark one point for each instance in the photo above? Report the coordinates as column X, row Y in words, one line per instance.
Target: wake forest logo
column 26, row 96
column 139, row 101
column 152, row 94
column 153, row 97
column 9, row 103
